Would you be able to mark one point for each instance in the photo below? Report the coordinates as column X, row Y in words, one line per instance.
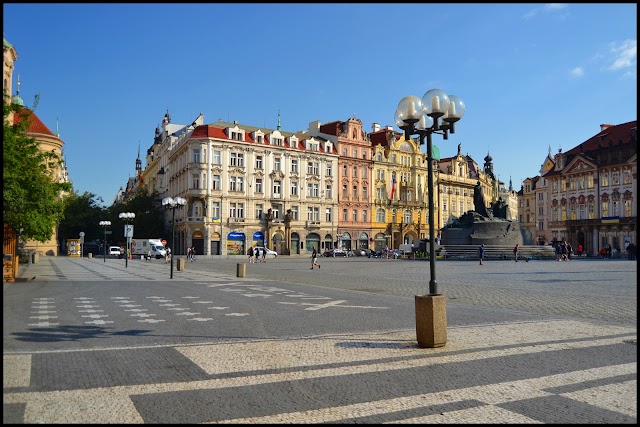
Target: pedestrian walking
column 481, row 253
column 264, row 254
column 167, row 256
column 569, row 251
column 189, row 254
column 250, row 254
column 314, row 258
column 515, row 252
column 193, row 253
column 579, row 248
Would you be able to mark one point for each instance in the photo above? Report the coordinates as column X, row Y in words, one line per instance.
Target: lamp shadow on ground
column 72, row 333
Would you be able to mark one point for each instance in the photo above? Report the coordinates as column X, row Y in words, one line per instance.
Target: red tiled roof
column 332, row 128
column 35, row 124
column 612, row 134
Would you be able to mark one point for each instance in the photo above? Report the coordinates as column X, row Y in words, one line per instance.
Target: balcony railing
column 313, row 224
column 235, row 221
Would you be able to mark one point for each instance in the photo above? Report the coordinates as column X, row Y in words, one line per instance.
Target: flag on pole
column 393, row 187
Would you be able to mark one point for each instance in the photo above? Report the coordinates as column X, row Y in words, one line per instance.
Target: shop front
column 236, row 243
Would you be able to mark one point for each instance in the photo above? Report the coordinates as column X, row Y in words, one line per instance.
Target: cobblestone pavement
column 561, row 366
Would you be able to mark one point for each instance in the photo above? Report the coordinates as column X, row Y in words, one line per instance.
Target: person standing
column 515, row 252
column 569, row 251
column 250, row 254
column 579, row 249
column 167, row 256
column 189, row 254
column 314, row 258
column 481, row 253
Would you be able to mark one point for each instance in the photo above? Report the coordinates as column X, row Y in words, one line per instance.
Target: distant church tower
column 138, row 163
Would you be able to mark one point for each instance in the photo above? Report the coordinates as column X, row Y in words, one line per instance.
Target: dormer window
column 293, row 142
column 258, row 137
column 235, row 133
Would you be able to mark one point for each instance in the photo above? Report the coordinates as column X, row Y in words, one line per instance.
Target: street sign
column 128, row 231
column 108, row 232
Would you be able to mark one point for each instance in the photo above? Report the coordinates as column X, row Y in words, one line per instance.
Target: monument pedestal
column 431, row 321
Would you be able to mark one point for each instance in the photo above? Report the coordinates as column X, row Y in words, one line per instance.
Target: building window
column 328, row 192
column 216, row 157
column 344, row 152
column 604, row 180
column 344, row 170
column 355, row 191
column 626, row 177
column 216, row 209
column 329, row 170
column 563, row 184
column 554, row 214
column 258, row 162
column 615, row 208
column 364, row 193
column 563, row 213
column 589, row 181
column 627, row 208
column 237, row 159
column 355, row 215
column 591, row 212
column 276, row 188
column 216, row 182
column 380, row 215
column 196, row 181
column 572, row 184
column 444, row 206
column 572, row 213
column 196, row 155
column 258, row 185
column 259, row 210
column 605, row 209
column 294, row 188
column 615, row 178
column 364, row 215
column 313, row 214
column 344, row 215
column 344, row 191
column 294, row 166
column 276, row 163
column 407, row 217
column 259, row 139
column 327, row 215
column 355, row 172
column 540, row 225
column 294, row 213
column 355, row 153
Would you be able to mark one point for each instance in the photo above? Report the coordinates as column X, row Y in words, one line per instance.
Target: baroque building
column 400, row 208
column 47, row 140
column 588, row 195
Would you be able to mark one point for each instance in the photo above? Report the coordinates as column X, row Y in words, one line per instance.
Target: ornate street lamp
column 127, row 216
column 437, row 113
column 173, row 203
column 105, row 224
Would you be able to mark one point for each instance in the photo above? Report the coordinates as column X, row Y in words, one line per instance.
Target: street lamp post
column 437, row 113
column 105, row 224
column 127, row 216
column 173, row 203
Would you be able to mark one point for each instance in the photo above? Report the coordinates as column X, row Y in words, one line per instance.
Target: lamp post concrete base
column 431, row 321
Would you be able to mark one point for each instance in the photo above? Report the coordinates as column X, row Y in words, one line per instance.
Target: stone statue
column 499, row 209
column 478, row 201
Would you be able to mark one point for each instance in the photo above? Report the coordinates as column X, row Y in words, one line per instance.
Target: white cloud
column 577, row 72
column 624, row 55
column 549, row 7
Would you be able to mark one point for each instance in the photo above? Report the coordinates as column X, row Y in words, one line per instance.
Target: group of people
column 257, row 254
column 191, row 253
column 564, row 251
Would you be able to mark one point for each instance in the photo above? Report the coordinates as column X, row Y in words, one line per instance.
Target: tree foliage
column 82, row 213
column 149, row 220
column 32, row 205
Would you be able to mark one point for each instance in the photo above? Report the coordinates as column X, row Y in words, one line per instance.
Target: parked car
column 271, row 253
column 335, row 252
column 115, row 251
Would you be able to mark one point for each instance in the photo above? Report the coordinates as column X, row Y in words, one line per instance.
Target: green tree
column 82, row 213
column 149, row 220
column 32, row 205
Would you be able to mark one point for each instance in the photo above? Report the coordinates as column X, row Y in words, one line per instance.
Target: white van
column 144, row 246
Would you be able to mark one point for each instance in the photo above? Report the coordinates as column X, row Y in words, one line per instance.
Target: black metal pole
column 105, row 243
column 433, row 284
column 173, row 237
column 126, row 251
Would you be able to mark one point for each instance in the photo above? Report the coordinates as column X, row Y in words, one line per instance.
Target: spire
column 278, row 120
column 510, row 184
column 17, row 99
column 138, row 162
column 57, row 133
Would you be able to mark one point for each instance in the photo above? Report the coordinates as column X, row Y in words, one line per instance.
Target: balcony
column 313, row 224
column 235, row 221
column 196, row 192
column 195, row 219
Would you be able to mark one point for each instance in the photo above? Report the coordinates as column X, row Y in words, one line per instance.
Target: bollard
column 90, row 255
column 241, row 270
column 180, row 264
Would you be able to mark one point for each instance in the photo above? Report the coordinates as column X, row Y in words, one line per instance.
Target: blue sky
column 531, row 75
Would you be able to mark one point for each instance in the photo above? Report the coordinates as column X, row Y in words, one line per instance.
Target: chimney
column 389, row 127
column 314, row 127
column 375, row 127
column 604, row 126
